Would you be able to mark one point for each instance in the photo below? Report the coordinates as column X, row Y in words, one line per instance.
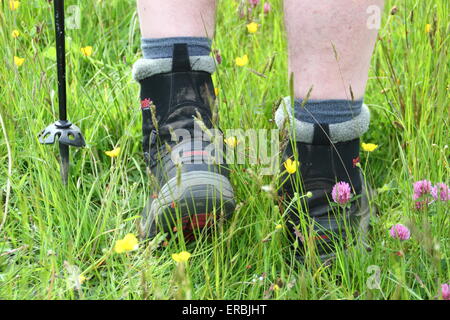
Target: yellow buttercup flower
column 14, row 5
column 183, row 256
column 369, row 147
column 242, row 61
column 113, row 153
column 15, row 33
column 81, row 278
column 128, row 243
column 86, row 51
column 428, row 28
column 276, row 287
column 278, row 227
column 252, row 27
column 18, row 61
column 231, row 141
column 291, row 166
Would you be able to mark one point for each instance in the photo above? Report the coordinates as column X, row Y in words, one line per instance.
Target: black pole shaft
column 65, row 164
column 61, row 58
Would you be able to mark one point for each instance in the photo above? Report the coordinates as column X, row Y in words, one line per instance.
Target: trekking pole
column 67, row 133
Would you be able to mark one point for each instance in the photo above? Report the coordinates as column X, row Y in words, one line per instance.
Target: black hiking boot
column 321, row 165
column 188, row 188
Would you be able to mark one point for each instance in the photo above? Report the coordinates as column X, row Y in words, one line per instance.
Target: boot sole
column 194, row 203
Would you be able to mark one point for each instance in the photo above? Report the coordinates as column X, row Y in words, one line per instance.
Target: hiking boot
column 189, row 189
column 322, row 164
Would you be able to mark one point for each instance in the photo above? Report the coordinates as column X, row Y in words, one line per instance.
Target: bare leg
column 313, row 27
column 176, row 18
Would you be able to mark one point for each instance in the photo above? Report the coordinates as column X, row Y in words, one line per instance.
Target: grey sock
column 158, row 56
column 341, row 120
column 159, row 48
column 327, row 111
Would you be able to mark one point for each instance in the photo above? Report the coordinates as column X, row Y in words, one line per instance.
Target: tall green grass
column 53, row 234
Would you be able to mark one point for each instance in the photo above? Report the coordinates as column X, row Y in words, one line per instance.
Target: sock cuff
column 144, row 68
column 160, row 48
column 338, row 132
column 327, row 111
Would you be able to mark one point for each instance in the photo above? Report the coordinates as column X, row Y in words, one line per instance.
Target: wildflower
column 113, row 153
column 218, row 56
column 369, row 147
column 291, row 166
column 278, row 227
column 183, row 256
column 15, row 34
column 400, row 253
column 421, row 188
column 275, row 287
column 81, row 279
column 427, row 28
column 252, row 27
column 146, row 103
column 394, row 10
column 267, row 7
column 356, row 161
column 400, row 232
column 14, row 5
column 128, row 243
column 242, row 61
column 445, row 289
column 253, row 3
column 232, row 142
column 18, row 61
column 86, row 51
column 440, row 191
column 341, row 193
column 216, row 91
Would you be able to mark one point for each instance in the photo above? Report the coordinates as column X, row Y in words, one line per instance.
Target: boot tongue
column 177, row 97
column 180, row 58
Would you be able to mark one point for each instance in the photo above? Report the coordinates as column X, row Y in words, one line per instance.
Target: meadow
column 57, row 242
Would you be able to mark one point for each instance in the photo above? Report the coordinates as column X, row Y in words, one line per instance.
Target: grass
column 52, row 234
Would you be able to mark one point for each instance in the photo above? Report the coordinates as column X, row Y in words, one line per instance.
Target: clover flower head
column 253, row 3
column 421, row 188
column 445, row 290
column 341, row 193
column 441, row 192
column 400, row 232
